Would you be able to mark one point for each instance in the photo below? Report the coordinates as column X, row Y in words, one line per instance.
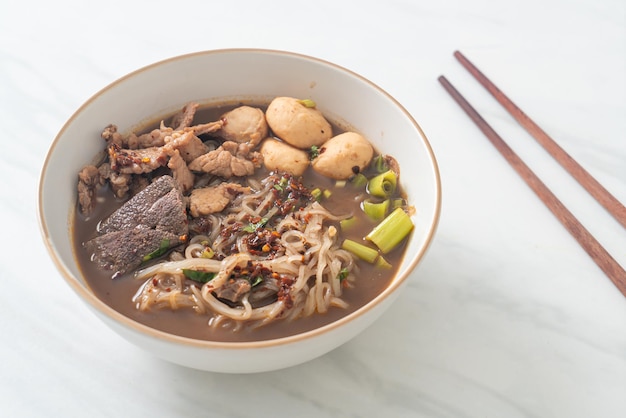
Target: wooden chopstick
column 603, row 196
column 595, row 250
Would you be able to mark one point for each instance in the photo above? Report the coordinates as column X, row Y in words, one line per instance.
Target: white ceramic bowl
column 163, row 88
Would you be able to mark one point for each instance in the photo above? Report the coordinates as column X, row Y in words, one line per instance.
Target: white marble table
column 506, row 317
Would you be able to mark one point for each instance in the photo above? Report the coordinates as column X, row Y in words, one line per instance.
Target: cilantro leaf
column 163, row 247
column 256, row 280
column 199, row 275
column 314, row 152
column 251, row 227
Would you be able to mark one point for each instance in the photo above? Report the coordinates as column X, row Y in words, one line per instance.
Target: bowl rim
column 102, row 308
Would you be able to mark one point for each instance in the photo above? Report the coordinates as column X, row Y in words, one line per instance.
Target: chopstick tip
column 459, row 56
column 443, row 80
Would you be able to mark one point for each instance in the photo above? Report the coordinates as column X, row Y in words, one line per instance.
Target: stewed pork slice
column 88, row 182
column 279, row 156
column 146, row 160
column 122, row 184
column 233, row 290
column 297, row 122
column 208, row 200
column 136, row 161
column 154, row 138
column 228, row 160
column 244, row 124
column 206, row 128
column 343, row 156
column 111, row 135
column 182, row 174
column 187, row 143
column 184, row 118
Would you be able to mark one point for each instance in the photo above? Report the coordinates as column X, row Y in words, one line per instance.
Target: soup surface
column 129, row 291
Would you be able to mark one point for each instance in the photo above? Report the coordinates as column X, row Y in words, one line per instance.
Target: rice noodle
column 307, row 261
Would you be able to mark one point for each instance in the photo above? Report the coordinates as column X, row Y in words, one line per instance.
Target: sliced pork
column 229, row 160
column 214, row 199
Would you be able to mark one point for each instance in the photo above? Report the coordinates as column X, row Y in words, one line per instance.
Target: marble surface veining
column 505, row 317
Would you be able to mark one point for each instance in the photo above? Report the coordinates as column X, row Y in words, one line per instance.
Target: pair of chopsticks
column 595, row 250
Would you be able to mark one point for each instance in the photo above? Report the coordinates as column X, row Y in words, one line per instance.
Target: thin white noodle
column 206, row 264
column 193, row 250
column 307, row 253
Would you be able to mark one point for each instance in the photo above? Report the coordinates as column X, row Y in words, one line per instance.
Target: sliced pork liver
column 155, row 218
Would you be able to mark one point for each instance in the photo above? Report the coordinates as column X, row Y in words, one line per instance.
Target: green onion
column 307, row 103
column 316, row 194
column 251, row 227
column 343, row 274
column 282, row 184
column 199, row 275
column 340, row 183
column 163, row 247
column 382, row 263
column 362, row 251
column 393, row 229
column 376, row 211
column 347, row 223
column 383, row 185
column 256, row 281
column 207, row 253
column 380, row 165
column 359, row 180
column 397, row 203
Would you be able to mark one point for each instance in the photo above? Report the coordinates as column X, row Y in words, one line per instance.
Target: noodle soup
column 283, row 252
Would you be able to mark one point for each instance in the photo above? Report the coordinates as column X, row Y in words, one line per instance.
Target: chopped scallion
column 316, row 194
column 376, row 211
column 307, row 103
column 362, row 251
column 397, row 203
column 379, row 163
column 383, row 185
column 382, row 263
column 207, row 253
column 282, row 184
column 359, row 180
column 391, row 231
column 347, row 223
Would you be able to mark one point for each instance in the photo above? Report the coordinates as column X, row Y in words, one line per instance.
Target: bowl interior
column 226, row 75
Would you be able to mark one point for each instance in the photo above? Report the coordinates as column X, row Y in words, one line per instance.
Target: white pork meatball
column 244, row 124
column 279, row 156
column 297, row 124
column 343, row 156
